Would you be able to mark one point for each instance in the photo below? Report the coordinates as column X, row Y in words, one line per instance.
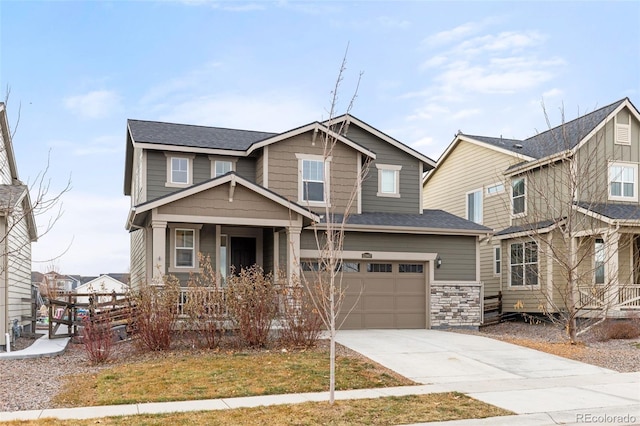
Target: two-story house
column 17, row 232
column 245, row 197
column 564, row 208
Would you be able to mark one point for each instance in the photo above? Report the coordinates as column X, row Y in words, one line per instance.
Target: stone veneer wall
column 456, row 305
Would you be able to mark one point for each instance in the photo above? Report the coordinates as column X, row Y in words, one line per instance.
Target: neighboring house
column 101, row 284
column 519, row 189
column 17, row 232
column 60, row 283
column 246, row 197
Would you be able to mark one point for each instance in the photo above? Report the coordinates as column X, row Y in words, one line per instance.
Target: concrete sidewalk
column 42, row 347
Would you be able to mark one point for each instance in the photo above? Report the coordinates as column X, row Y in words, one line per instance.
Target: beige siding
column 470, row 167
column 259, row 169
column 215, row 202
column 283, row 169
column 19, row 270
column 138, row 265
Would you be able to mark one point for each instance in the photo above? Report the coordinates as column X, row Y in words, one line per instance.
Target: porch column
column 158, row 263
column 293, row 251
column 611, row 244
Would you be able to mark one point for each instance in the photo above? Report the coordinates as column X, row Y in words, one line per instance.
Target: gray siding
column 137, row 267
column 410, row 186
column 458, row 253
column 246, row 167
column 19, row 270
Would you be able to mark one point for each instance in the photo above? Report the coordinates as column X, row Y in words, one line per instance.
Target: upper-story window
column 388, row 180
column 222, row 167
column 622, row 181
column 179, row 170
column 518, row 197
column 498, row 188
column 474, row 206
column 313, row 183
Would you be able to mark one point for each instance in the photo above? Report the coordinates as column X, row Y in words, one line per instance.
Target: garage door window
column 349, row 267
column 378, row 267
column 410, row 268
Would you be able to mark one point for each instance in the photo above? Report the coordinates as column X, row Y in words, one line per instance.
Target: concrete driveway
column 512, row 377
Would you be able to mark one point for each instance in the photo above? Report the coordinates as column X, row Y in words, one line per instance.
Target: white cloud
column 434, row 62
column 448, row 36
column 92, row 228
column 100, row 145
column 389, row 22
column 272, row 111
column 465, row 113
column 504, row 41
column 95, row 104
column 553, row 93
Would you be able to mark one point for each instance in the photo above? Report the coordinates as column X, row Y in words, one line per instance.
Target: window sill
column 185, row 269
column 305, row 203
column 518, row 215
column 176, row 185
column 627, row 199
column 523, row 287
column 387, row 195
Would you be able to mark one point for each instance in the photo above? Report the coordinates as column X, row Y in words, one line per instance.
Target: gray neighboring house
column 17, row 232
column 246, row 197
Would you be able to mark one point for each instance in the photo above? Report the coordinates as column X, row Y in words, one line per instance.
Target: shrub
column 156, row 314
column 301, row 324
column 618, row 329
column 204, row 309
column 252, row 304
column 97, row 339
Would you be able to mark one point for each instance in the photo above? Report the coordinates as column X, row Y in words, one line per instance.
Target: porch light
column 438, row 262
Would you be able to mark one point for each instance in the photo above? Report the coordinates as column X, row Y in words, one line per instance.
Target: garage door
column 384, row 295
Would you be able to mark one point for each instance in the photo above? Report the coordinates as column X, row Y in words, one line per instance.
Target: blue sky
column 80, row 69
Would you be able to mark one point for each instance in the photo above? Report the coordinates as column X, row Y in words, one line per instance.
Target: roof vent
column 517, row 146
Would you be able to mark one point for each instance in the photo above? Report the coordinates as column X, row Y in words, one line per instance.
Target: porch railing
column 186, row 293
column 595, row 297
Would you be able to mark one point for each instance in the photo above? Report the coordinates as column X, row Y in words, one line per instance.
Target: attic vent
column 623, row 135
column 517, row 146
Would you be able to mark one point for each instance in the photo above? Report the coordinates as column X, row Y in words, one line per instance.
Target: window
column 497, row 260
column 222, row 264
column 498, row 188
column 313, row 183
column 348, row 267
column 474, row 206
column 388, row 180
column 378, row 267
column 599, row 261
column 179, row 170
column 622, row 181
column 185, row 248
column 411, row 268
column 524, row 264
column 222, row 167
column 518, row 196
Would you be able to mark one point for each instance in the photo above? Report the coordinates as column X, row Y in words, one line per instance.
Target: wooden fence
column 492, row 309
column 116, row 308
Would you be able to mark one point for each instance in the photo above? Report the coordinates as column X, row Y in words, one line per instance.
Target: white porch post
column 293, row 251
column 612, row 242
column 158, row 262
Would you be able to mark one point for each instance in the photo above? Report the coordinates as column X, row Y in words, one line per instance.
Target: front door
column 243, row 253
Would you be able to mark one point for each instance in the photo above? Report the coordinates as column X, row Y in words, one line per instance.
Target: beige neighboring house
column 516, row 188
column 17, row 232
column 102, row 284
column 245, row 197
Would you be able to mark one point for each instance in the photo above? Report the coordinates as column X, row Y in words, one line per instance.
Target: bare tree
column 324, row 278
column 570, row 248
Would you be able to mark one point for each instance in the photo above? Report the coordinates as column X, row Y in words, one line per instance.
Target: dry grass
column 178, row 376
column 563, row 349
column 380, row 411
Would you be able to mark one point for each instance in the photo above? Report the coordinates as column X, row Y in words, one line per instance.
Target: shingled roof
column 156, row 132
column 10, row 195
column 560, row 138
column 616, row 211
column 429, row 219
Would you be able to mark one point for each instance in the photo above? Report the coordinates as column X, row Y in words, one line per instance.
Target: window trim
column 497, row 192
column 466, row 199
column 634, row 166
column 497, row 260
column 215, row 159
column 173, row 227
column 523, row 264
column 595, row 260
column 169, row 182
column 524, row 212
column 396, row 175
column 327, row 180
